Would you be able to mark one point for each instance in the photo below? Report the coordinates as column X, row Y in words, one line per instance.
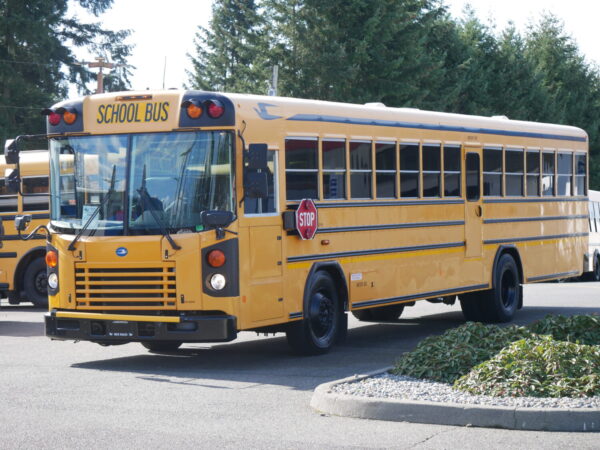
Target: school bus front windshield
column 140, row 183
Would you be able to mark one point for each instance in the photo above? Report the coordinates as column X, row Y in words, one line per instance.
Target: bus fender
column 29, row 256
column 512, row 250
column 337, row 273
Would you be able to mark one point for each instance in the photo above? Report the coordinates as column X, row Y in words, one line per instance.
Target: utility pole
column 274, row 79
column 101, row 63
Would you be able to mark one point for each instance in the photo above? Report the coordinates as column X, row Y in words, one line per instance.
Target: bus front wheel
column 35, row 283
column 316, row 333
column 596, row 272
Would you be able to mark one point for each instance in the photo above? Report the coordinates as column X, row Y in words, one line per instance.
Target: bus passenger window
column 514, row 172
column 451, row 171
column 579, row 183
column 472, row 169
column 548, row 173
column 8, row 201
column 409, row 170
column 334, row 169
column 431, row 170
column 265, row 205
column 360, row 169
column 301, row 168
column 385, row 169
column 533, row 173
column 35, row 185
column 565, row 173
column 492, row 172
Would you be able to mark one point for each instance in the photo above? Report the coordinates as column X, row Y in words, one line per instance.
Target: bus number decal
column 133, row 112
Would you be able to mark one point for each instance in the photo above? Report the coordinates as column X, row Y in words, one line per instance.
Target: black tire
column 162, row 346
column 471, row 307
column 35, row 283
column 381, row 314
column 322, row 323
column 596, row 272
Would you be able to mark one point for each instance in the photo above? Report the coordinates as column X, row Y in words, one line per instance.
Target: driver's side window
column 268, row 205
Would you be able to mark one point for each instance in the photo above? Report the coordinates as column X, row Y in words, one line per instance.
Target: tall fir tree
column 37, row 38
column 231, row 53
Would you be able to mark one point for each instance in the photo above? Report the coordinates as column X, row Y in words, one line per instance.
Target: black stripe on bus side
column 552, row 276
column 393, row 226
column 294, row 206
column 8, row 254
column 296, row 315
column 535, row 219
column 535, row 200
column 374, row 252
column 421, row 295
column 535, row 238
column 3, row 286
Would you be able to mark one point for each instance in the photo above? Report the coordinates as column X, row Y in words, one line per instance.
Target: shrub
column 583, row 329
column 537, row 367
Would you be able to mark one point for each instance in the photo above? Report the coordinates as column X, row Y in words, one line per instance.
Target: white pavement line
column 516, row 418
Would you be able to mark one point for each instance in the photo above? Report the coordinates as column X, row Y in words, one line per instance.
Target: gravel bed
column 408, row 388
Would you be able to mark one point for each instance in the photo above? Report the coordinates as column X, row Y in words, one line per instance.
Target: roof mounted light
column 193, row 109
column 215, row 108
column 69, row 115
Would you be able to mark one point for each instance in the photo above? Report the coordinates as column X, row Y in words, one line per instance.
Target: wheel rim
column 41, row 282
column 508, row 289
column 322, row 317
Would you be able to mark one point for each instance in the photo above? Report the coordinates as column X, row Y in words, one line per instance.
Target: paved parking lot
column 251, row 393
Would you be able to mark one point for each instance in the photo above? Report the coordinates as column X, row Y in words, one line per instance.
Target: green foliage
column 557, row 356
column 448, row 357
column 37, row 60
column 537, row 367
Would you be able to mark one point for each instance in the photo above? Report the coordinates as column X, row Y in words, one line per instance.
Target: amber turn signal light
column 193, row 111
column 215, row 258
column 51, row 259
column 69, row 117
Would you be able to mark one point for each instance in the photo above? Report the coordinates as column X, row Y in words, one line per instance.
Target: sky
column 163, row 31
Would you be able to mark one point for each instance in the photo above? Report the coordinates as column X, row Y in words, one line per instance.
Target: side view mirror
column 13, row 181
column 255, row 184
column 216, row 219
column 22, row 222
column 11, row 151
column 257, row 156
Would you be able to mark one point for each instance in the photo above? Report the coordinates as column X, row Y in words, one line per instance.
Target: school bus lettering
column 133, row 113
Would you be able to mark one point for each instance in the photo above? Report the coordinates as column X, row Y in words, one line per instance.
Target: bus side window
column 472, row 177
column 265, row 205
column 35, row 185
column 8, row 201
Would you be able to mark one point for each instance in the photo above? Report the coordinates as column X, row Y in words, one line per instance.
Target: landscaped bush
column 447, row 357
column 537, row 367
column 557, row 356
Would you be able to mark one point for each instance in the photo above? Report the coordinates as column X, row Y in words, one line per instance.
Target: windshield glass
column 172, row 178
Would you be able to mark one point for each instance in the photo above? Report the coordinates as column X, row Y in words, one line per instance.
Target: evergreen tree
column 37, row 62
column 230, row 55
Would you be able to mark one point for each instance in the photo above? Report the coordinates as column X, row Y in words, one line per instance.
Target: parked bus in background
column 188, row 216
column 592, row 266
column 22, row 265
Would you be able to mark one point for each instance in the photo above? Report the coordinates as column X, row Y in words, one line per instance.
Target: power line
column 22, row 107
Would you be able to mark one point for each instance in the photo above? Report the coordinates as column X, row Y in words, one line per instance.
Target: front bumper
column 120, row 328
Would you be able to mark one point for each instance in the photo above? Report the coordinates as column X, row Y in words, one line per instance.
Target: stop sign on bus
column 307, row 219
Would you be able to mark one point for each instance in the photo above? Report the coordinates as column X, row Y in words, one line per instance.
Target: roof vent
column 376, row 105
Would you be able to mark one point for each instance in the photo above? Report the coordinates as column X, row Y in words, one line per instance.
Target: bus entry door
column 473, row 204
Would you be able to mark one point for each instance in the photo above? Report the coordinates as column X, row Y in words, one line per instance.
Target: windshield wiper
column 104, row 201
column 147, row 200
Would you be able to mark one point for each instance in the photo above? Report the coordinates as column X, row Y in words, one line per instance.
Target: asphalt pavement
column 250, row 393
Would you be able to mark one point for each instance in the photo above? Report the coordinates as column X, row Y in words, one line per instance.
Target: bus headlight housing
column 53, row 281
column 217, row 282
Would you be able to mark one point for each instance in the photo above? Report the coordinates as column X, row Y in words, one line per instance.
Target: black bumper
column 189, row 329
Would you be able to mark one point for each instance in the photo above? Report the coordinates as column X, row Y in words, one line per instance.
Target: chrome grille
column 125, row 286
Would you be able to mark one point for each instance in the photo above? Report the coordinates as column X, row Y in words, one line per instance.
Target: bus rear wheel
column 162, row 346
column 596, row 272
column 321, row 326
column 382, row 314
column 35, row 281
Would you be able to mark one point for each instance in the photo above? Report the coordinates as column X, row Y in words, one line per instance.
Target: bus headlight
column 53, row 281
column 217, row 281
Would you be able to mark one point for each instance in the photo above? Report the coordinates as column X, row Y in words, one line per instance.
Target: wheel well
column 512, row 251
column 32, row 254
column 334, row 270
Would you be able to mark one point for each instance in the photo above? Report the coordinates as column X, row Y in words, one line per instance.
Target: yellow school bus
column 22, row 266
column 189, row 216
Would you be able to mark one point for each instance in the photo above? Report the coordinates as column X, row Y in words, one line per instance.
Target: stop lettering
column 307, row 219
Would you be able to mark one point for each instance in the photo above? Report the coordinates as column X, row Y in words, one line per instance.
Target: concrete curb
column 514, row 418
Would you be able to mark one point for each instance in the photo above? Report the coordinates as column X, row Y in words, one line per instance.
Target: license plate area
column 121, row 328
